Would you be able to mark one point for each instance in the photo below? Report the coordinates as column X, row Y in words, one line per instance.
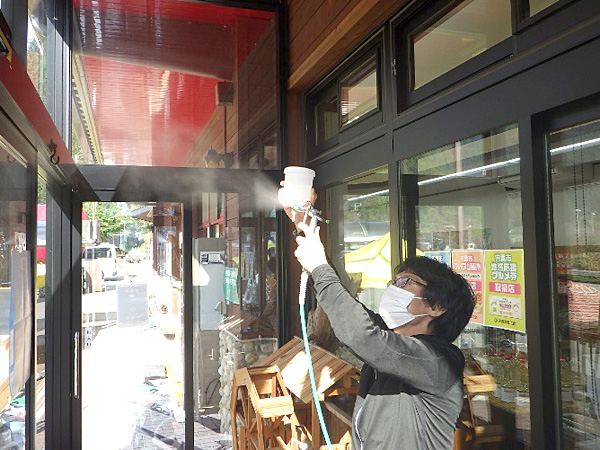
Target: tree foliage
column 115, row 220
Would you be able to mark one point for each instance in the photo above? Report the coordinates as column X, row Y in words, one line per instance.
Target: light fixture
column 372, row 194
column 554, row 171
column 463, row 173
column 510, row 179
column 212, row 156
column 555, row 151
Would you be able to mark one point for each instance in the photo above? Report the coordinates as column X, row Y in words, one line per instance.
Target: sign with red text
column 504, row 290
column 469, row 264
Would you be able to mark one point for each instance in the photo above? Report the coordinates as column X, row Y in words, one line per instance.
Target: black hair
column 446, row 290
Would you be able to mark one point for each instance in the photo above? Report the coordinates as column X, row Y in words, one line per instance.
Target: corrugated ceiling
column 150, row 69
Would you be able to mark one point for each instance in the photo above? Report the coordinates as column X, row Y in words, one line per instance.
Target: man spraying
column 411, row 386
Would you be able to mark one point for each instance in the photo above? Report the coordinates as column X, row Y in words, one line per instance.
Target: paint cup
column 298, row 185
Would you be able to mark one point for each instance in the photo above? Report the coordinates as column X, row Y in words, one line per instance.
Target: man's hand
column 298, row 216
column 310, row 252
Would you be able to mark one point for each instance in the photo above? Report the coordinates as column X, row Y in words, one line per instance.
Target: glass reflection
column 327, row 119
column 37, row 54
column 132, row 334
column 463, row 202
column 360, row 225
column 576, row 200
column 535, row 6
column 235, row 282
column 463, row 33
column 179, row 84
column 359, row 93
column 16, row 308
column 42, row 272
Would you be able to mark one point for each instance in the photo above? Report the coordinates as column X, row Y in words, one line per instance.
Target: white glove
column 310, row 252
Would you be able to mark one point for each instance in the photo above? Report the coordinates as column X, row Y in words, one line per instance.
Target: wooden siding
column 322, row 32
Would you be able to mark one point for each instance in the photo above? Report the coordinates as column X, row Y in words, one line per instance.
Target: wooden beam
column 339, row 413
column 341, row 391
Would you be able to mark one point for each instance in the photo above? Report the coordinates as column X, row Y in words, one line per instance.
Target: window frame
column 525, row 20
column 404, row 27
column 331, row 86
column 563, row 116
column 376, row 53
column 313, row 147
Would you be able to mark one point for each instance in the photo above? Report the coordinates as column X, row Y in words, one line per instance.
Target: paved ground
column 155, row 431
column 121, row 410
column 127, row 401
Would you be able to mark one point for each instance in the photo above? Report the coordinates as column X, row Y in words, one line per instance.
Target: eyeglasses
column 401, row 282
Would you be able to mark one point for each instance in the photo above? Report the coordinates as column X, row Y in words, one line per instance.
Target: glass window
column 360, row 225
column 37, row 55
column 40, row 311
column 461, row 205
column 327, row 119
column 16, row 309
column 535, row 6
column 463, row 33
column 270, row 152
column 574, row 156
column 235, row 281
column 132, row 333
column 183, row 84
column 359, row 92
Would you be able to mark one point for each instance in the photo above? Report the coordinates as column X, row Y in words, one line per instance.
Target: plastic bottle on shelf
column 491, row 363
column 484, row 361
column 498, row 375
column 523, row 384
column 578, row 380
column 566, row 382
column 509, row 387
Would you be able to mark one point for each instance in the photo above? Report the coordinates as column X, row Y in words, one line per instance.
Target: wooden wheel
column 262, row 411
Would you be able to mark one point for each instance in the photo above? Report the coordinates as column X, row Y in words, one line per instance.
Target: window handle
column 76, row 364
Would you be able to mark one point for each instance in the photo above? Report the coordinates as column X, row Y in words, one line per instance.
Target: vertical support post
column 283, row 306
column 314, row 426
column 188, row 325
column 540, row 305
column 31, row 226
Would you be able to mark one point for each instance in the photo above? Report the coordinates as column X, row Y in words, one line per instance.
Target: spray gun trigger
column 312, row 215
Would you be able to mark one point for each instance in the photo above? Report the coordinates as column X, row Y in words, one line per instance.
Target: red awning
column 151, row 67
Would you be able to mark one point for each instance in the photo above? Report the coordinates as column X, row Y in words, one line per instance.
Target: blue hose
column 311, row 373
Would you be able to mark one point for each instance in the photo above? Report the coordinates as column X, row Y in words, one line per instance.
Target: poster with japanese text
column 505, row 289
column 565, row 261
column 230, row 280
column 469, row 264
column 441, row 256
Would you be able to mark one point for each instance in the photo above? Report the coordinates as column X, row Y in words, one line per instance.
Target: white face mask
column 393, row 308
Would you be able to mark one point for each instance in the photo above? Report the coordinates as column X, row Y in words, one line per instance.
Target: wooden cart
column 336, row 379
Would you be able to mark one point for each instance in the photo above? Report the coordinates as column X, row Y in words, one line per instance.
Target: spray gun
column 298, row 184
column 312, row 215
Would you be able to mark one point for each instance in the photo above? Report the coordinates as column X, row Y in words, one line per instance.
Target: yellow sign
column 505, row 290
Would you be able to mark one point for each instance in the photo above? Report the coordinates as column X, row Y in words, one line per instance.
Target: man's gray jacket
column 411, row 388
